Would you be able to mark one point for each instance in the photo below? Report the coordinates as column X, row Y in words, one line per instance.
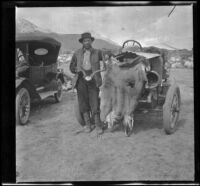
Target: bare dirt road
column 47, row 149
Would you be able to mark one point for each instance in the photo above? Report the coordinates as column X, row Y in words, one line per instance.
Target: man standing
column 21, row 65
column 87, row 59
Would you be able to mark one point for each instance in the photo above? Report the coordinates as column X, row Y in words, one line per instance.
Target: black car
column 37, row 75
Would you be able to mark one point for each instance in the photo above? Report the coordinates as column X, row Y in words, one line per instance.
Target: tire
column 171, row 109
column 58, row 96
column 78, row 115
column 22, row 106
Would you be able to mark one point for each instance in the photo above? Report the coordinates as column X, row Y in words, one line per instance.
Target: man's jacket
column 77, row 61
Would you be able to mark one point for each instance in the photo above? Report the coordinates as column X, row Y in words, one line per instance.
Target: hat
column 85, row 35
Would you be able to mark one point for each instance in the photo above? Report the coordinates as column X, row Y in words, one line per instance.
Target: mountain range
column 69, row 42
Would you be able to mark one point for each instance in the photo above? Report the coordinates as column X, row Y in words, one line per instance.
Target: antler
column 92, row 75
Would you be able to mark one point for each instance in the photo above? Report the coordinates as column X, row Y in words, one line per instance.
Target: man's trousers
column 88, row 96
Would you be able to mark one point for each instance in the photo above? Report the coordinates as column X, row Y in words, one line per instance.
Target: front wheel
column 59, row 94
column 171, row 109
column 22, row 106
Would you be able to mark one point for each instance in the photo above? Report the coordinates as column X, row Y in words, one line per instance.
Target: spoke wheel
column 22, row 106
column 171, row 109
column 59, row 94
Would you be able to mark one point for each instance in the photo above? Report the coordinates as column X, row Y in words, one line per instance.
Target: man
column 87, row 59
column 22, row 67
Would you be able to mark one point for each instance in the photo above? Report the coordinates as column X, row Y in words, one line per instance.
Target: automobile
column 37, row 75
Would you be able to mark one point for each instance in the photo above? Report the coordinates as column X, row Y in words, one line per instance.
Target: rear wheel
column 171, row 109
column 58, row 96
column 22, row 106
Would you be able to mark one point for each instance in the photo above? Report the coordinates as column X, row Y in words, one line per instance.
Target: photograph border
column 8, row 139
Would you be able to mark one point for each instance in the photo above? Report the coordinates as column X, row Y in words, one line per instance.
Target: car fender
column 19, row 81
column 24, row 82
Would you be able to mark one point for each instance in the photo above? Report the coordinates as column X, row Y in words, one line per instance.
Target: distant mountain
column 184, row 53
column 68, row 41
column 25, row 26
column 99, row 36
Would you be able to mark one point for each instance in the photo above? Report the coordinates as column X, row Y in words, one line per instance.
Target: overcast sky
column 148, row 24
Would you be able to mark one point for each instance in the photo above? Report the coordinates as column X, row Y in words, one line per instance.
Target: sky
column 150, row 25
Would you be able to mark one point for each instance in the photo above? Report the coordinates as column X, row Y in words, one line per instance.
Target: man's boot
column 87, row 127
column 98, row 124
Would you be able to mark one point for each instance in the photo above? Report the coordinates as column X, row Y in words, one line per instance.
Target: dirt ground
column 47, row 149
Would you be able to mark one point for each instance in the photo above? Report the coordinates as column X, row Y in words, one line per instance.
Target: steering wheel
column 134, row 44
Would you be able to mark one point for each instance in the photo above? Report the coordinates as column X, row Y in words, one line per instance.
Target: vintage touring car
column 37, row 75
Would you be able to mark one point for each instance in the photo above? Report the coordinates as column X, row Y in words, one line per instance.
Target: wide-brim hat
column 86, row 35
